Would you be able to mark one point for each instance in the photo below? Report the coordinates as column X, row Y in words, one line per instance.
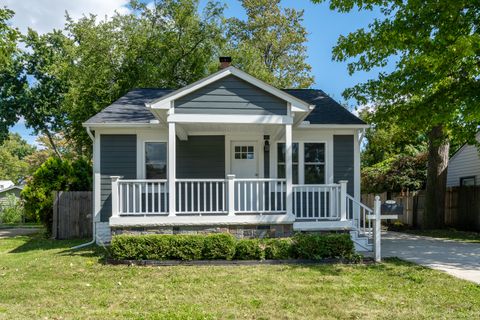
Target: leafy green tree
column 435, row 87
column 270, row 44
column 54, row 175
column 13, row 154
column 8, row 37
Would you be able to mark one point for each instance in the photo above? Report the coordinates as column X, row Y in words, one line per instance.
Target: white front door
column 244, row 158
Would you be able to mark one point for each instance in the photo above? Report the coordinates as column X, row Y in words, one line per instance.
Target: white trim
column 153, row 124
column 229, row 119
column 214, row 219
column 97, row 184
column 322, row 225
column 165, row 101
column 303, row 125
column 171, row 166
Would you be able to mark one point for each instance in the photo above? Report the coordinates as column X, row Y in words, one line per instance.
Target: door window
column 245, row 152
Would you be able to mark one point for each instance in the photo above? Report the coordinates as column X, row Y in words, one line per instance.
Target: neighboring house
column 4, row 193
column 4, row 184
column 464, row 166
column 227, row 153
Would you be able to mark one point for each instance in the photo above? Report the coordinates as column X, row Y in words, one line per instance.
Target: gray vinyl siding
column 343, row 167
column 466, row 163
column 201, row 157
column 118, row 157
column 231, row 95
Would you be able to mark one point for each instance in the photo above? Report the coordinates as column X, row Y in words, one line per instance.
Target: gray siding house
column 228, row 153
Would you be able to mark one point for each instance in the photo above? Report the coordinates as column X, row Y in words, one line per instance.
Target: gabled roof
column 164, row 101
column 131, row 108
column 10, row 188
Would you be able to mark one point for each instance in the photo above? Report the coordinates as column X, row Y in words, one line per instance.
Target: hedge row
column 226, row 247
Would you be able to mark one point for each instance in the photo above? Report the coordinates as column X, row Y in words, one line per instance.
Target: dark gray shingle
column 131, row 108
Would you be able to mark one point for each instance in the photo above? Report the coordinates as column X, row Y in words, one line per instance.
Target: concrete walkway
column 459, row 259
column 13, row 232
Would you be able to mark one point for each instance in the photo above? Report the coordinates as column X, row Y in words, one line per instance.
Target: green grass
column 451, row 234
column 42, row 279
column 20, row 225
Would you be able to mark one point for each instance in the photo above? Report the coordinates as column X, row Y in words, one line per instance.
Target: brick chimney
column 225, row 62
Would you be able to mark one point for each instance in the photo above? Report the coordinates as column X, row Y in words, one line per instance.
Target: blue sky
column 323, row 25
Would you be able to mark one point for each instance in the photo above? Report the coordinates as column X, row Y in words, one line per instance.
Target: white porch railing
column 317, row 202
column 141, row 197
column 196, row 196
column 358, row 212
column 260, row 195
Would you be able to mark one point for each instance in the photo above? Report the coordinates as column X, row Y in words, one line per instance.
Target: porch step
column 361, row 242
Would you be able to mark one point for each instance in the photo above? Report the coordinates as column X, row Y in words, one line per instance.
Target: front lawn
column 450, row 234
column 42, row 279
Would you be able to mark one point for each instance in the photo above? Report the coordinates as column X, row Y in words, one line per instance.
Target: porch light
column 266, row 145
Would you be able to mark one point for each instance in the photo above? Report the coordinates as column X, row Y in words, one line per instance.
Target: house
column 5, row 192
column 464, row 166
column 228, row 153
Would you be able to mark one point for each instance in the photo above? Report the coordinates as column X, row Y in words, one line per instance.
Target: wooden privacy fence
column 72, row 214
column 462, row 207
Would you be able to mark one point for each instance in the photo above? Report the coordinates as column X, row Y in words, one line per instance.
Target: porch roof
column 131, row 108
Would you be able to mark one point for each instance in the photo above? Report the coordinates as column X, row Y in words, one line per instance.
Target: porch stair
column 362, row 242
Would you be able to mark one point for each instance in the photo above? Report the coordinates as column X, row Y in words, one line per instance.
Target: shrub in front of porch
column 226, row 247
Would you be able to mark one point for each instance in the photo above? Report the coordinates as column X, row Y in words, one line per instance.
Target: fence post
column 343, row 200
column 378, row 229
column 231, row 194
column 115, row 195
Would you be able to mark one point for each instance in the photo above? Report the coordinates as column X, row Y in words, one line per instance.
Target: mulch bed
column 168, row 263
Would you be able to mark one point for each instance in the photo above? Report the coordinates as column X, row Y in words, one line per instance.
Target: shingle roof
column 131, row 108
column 327, row 110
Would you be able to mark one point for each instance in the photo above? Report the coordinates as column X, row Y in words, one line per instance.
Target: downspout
column 89, row 132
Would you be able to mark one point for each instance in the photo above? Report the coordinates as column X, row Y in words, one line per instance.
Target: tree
column 435, row 87
column 165, row 45
column 13, row 154
column 270, row 44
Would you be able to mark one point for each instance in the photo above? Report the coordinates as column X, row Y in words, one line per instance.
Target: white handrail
column 198, row 196
column 141, row 197
column 316, row 202
column 359, row 212
column 263, row 195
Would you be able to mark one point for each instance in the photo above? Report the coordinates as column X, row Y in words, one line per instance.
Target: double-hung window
column 281, row 161
column 312, row 158
column 155, row 160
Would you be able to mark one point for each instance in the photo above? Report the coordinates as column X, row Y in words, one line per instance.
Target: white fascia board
column 229, row 119
column 332, row 126
column 154, row 123
column 165, row 101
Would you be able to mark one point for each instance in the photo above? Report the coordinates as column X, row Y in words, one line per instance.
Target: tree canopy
column 435, row 86
column 14, row 153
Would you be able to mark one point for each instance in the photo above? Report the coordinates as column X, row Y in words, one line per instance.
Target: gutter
column 93, row 217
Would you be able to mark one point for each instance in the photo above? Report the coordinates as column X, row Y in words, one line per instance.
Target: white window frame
column 301, row 159
column 144, row 156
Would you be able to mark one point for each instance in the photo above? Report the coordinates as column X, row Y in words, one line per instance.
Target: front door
column 244, row 158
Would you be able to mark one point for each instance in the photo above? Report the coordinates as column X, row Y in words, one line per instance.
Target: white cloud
column 46, row 15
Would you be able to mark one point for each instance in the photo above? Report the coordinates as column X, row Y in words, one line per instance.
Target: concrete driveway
column 13, row 232
column 459, row 259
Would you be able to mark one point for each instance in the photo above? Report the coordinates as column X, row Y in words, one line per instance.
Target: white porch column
column 115, row 208
column 343, row 200
column 288, row 168
column 231, row 194
column 171, row 168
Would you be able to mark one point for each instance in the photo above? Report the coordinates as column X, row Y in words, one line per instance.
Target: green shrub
column 278, row 249
column 54, row 175
column 219, row 246
column 249, row 249
column 321, row 246
column 226, row 247
column 11, row 211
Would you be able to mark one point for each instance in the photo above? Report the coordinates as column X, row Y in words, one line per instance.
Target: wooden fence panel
column 72, row 214
column 462, row 207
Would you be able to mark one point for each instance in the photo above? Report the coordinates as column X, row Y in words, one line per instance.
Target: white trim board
column 165, row 101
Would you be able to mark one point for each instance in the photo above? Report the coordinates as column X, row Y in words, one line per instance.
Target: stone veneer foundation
column 239, row 231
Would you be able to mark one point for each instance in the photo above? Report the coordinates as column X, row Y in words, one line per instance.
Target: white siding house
column 464, row 166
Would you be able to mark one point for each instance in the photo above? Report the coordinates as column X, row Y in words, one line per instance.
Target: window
column 155, row 160
column 281, row 161
column 467, row 182
column 314, row 155
column 244, row 152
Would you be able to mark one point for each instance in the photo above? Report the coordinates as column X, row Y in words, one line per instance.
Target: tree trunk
column 438, row 148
